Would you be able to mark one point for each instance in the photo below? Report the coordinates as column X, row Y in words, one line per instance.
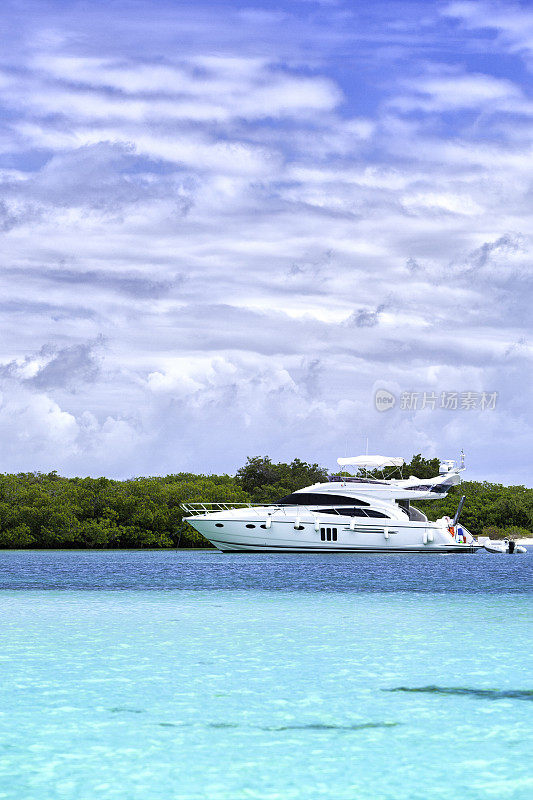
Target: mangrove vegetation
column 45, row 510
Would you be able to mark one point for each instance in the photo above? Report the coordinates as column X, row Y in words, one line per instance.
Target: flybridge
column 439, row 488
column 394, row 487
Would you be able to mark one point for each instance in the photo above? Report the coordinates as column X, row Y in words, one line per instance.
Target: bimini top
column 371, row 462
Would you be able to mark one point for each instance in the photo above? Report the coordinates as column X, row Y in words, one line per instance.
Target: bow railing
column 194, row 509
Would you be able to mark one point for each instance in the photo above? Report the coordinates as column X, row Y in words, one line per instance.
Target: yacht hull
column 233, row 536
column 244, row 548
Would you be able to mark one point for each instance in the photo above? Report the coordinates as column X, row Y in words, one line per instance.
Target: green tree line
column 45, row 510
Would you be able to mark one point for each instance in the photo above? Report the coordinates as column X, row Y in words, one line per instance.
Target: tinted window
column 346, row 479
column 347, row 512
column 312, row 499
column 416, row 514
column 422, row 487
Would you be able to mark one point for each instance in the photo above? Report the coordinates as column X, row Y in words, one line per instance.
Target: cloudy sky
column 226, row 225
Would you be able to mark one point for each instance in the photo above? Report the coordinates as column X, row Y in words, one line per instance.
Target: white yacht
column 346, row 514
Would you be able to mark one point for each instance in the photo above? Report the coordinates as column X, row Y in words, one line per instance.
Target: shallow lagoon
column 188, row 675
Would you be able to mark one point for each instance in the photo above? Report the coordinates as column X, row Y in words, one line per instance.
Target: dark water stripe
column 222, row 725
column 126, row 710
column 318, row 726
column 312, row 726
column 488, row 694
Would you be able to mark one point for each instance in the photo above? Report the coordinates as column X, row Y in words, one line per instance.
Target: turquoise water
column 200, row 675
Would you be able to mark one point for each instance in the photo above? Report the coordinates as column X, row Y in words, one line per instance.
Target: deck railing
column 193, row 509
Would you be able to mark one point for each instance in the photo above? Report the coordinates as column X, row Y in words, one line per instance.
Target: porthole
column 298, row 527
column 263, row 526
column 219, row 525
column 250, row 526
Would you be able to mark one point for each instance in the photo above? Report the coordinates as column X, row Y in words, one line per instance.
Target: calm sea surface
column 139, row 675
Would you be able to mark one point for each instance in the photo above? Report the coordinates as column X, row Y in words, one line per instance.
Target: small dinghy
column 507, row 546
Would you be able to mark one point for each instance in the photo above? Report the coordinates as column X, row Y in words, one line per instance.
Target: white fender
column 386, row 533
column 317, row 524
column 268, row 522
column 430, row 536
column 352, row 524
column 297, row 522
column 425, row 537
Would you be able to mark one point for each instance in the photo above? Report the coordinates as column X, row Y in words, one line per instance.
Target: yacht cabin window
column 319, row 499
column 353, row 512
